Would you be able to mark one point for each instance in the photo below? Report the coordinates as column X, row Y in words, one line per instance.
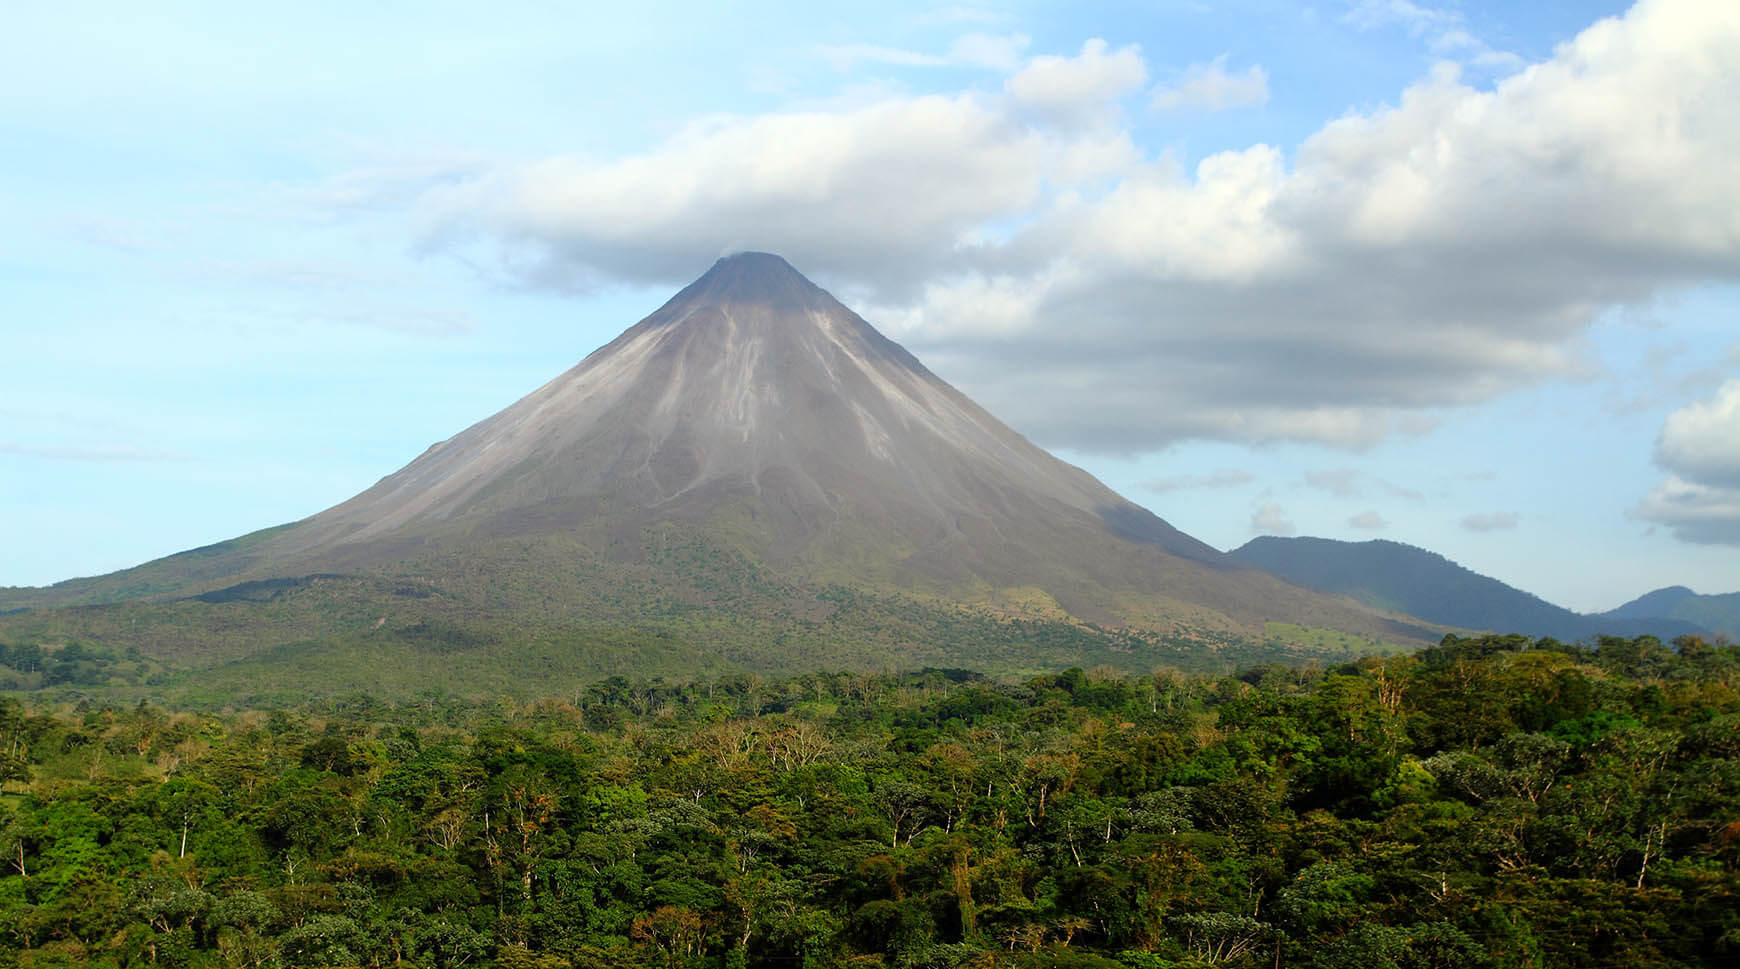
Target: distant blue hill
column 1411, row 580
column 1718, row 613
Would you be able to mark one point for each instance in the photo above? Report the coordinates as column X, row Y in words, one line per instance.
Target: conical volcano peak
column 751, row 384
column 755, row 268
column 756, row 277
column 739, row 456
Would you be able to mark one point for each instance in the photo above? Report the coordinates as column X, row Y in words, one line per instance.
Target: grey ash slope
column 751, row 381
column 755, row 415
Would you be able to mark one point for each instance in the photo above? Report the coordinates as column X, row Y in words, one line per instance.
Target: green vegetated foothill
column 1491, row 802
column 543, row 620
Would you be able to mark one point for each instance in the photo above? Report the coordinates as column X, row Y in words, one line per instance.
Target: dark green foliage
column 75, row 666
column 1489, row 803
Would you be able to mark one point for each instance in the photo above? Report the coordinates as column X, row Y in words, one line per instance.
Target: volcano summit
column 749, row 471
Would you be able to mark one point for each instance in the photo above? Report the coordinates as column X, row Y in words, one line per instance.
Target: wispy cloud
column 998, row 52
column 1222, row 478
column 961, row 14
column 110, row 233
column 1368, row 521
column 1208, row 87
column 1341, row 484
column 1271, row 519
column 1498, row 521
column 93, row 452
column 1459, row 43
column 1348, row 483
column 1444, row 31
column 846, row 57
column 1416, row 19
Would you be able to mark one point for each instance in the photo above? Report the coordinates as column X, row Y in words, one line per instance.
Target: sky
column 1461, row 275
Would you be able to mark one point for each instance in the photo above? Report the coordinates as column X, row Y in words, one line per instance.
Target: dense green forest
column 1490, row 802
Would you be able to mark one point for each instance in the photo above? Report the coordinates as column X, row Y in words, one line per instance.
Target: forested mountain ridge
column 1717, row 613
column 1411, row 580
column 1489, row 802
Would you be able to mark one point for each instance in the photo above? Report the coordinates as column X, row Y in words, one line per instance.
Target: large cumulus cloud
column 1699, row 446
column 1434, row 253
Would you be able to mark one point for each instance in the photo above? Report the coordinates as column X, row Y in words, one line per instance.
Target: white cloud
column 1696, row 513
column 1702, row 440
column 1498, row 521
column 1368, row 521
column 881, row 194
column 1437, row 253
column 1699, row 446
column 1271, row 519
column 1080, row 88
column 1208, row 87
column 1432, row 254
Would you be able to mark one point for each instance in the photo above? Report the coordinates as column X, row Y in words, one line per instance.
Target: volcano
column 755, row 389
column 753, row 455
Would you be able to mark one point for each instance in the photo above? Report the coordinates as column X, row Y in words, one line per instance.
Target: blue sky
column 1462, row 276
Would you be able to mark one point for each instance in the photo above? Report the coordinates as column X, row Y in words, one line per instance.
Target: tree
column 676, row 933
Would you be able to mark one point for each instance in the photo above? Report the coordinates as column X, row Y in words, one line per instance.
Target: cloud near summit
column 1097, row 294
